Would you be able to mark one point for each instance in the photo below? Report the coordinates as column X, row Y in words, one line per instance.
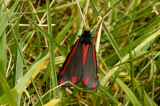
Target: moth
column 81, row 63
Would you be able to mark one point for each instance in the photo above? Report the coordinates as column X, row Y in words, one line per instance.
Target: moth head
column 87, row 32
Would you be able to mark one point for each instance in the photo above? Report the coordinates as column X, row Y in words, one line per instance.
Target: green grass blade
column 4, row 21
column 129, row 93
column 3, row 51
column 9, row 95
column 52, row 57
column 19, row 61
column 24, row 80
column 64, row 31
column 108, row 95
column 62, row 50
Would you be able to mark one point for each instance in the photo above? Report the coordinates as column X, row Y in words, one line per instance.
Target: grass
column 36, row 37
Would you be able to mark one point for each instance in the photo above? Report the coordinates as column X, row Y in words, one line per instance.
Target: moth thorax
column 86, row 39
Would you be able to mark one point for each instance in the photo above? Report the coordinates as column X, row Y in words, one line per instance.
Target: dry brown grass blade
column 99, row 25
column 96, row 35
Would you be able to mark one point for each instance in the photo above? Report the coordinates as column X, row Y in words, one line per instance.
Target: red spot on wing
column 86, row 80
column 62, row 72
column 85, row 50
column 62, row 81
column 94, row 85
column 74, row 79
column 95, row 61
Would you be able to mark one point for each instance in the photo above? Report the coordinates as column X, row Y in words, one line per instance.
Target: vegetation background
column 36, row 37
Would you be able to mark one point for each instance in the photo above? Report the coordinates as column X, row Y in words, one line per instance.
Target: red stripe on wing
column 62, row 72
column 85, row 50
column 95, row 61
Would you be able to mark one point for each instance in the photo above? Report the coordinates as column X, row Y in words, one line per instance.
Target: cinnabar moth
column 81, row 64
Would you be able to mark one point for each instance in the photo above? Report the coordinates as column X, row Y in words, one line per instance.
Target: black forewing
column 89, row 76
column 72, row 67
